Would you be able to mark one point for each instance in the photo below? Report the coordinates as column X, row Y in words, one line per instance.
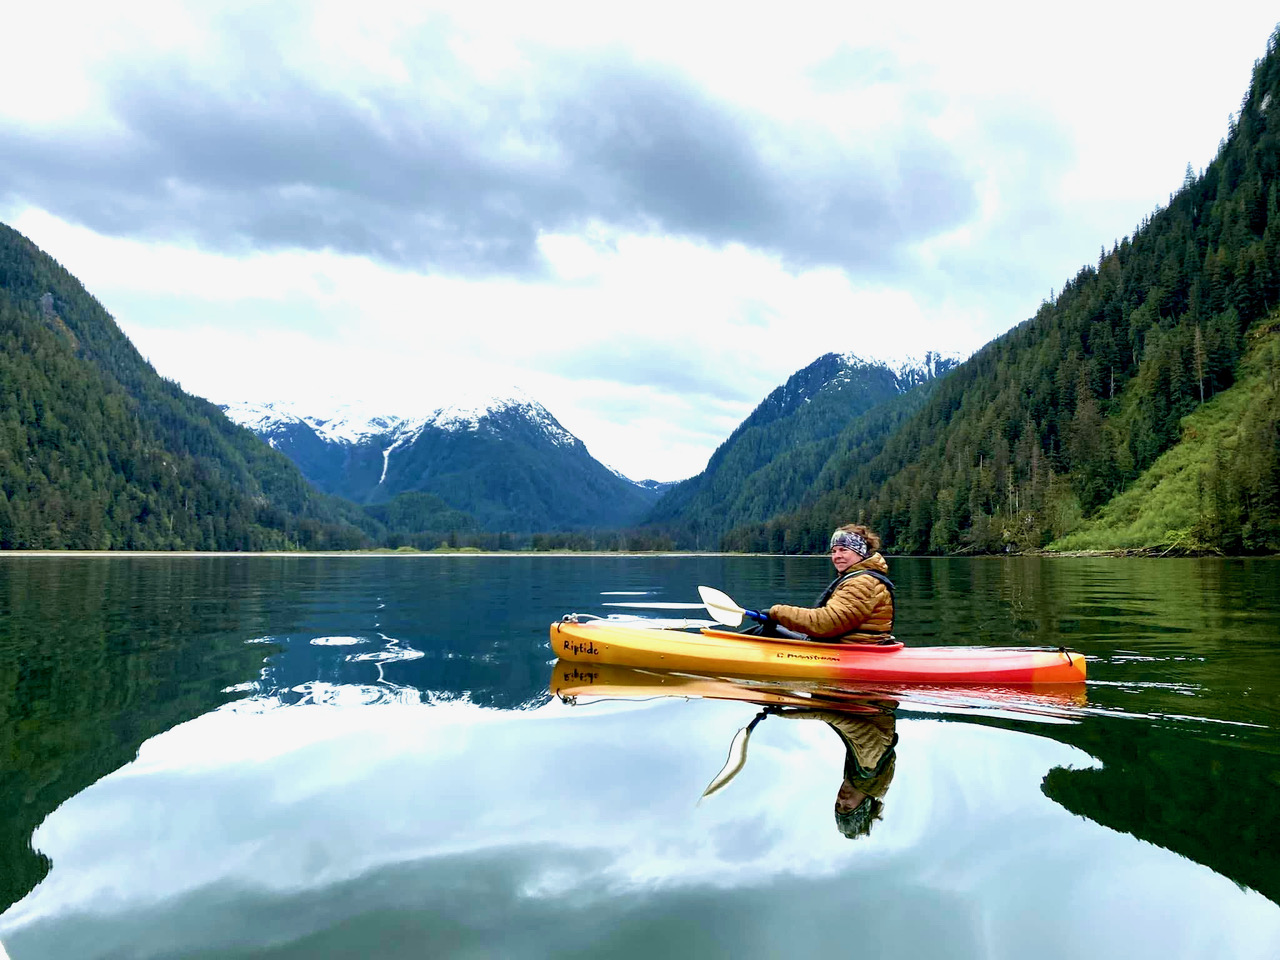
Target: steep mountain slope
column 98, row 451
column 773, row 459
column 1050, row 421
column 1194, row 492
column 505, row 461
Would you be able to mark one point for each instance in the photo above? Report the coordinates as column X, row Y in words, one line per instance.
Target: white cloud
column 649, row 345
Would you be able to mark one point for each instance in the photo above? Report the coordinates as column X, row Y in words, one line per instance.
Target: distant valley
column 504, row 461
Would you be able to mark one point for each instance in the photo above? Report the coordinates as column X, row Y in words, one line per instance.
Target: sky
column 644, row 216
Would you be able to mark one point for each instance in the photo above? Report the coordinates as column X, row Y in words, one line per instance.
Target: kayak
column 601, row 641
column 571, row 680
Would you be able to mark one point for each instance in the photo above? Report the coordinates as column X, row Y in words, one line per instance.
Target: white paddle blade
column 737, row 760
column 720, row 606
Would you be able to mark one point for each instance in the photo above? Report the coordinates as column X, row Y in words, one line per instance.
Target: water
column 308, row 757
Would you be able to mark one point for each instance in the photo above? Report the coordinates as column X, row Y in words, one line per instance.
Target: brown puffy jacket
column 867, row 739
column 860, row 608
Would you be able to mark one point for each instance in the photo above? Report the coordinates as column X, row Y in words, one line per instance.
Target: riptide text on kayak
column 589, row 648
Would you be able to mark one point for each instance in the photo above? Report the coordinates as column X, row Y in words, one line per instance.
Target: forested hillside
column 1046, row 424
column 97, row 451
column 1218, row 489
column 778, row 453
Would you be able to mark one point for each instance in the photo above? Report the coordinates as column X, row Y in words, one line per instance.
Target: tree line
column 1045, row 424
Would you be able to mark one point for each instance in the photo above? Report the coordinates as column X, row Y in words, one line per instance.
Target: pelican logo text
column 588, row 648
column 807, row 656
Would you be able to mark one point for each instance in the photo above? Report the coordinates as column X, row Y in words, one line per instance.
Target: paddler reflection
column 864, row 721
column 870, row 750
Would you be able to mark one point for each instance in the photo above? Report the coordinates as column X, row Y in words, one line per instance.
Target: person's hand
column 756, row 615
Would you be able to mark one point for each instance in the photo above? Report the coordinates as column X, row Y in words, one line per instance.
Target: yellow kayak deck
column 600, row 641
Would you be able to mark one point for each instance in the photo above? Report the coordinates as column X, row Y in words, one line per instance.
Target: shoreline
column 355, row 554
column 1124, row 554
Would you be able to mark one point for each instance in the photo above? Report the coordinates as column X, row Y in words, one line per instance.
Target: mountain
column 777, row 454
column 98, row 451
column 1043, row 427
column 658, row 487
column 504, row 461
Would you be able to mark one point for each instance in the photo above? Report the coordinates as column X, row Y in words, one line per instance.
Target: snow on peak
column 353, row 423
column 347, row 423
column 929, row 363
column 909, row 368
column 853, row 360
column 259, row 417
column 465, row 413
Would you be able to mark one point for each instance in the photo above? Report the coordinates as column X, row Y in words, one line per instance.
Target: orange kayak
column 709, row 651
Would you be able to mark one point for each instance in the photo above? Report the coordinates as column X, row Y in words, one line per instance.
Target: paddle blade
column 737, row 760
column 720, row 606
column 737, row 757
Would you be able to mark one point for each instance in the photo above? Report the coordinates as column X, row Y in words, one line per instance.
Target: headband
column 851, row 541
column 856, row 822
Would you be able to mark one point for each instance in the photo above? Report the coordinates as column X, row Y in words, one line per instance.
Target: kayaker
column 856, row 607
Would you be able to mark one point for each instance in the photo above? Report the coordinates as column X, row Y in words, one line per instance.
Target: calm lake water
column 316, row 757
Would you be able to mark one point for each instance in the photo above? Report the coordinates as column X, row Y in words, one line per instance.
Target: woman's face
column 843, row 558
column 849, row 797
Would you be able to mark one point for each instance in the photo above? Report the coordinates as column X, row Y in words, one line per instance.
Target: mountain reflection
column 212, row 756
column 1188, row 791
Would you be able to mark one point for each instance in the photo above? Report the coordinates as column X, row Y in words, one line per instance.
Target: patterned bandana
column 856, row 822
column 842, row 538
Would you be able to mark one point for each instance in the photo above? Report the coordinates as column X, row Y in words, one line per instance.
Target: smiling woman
column 858, row 605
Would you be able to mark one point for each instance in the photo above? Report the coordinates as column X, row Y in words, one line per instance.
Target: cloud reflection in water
column 563, row 829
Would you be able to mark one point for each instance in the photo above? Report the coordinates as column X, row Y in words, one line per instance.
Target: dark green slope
column 1047, row 423
column 773, row 459
column 511, row 477
column 97, row 451
column 860, row 441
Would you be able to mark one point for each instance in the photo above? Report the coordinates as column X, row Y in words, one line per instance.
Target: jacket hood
column 874, row 562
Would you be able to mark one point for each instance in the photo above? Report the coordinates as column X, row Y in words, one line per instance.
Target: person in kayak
column 856, row 607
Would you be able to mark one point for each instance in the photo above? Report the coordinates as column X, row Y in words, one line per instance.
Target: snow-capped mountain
column 504, row 459
column 769, row 462
column 655, row 486
column 913, row 371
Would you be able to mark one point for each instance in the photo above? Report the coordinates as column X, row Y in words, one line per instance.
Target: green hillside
column 777, row 455
column 1046, row 424
column 1218, row 490
column 97, row 451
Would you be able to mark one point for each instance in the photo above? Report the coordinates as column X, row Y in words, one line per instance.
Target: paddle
column 724, row 610
column 737, row 756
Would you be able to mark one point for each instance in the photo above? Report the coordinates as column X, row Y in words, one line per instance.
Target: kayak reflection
column 865, row 721
column 864, row 717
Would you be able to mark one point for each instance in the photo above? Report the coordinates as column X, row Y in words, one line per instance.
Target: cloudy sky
column 644, row 215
